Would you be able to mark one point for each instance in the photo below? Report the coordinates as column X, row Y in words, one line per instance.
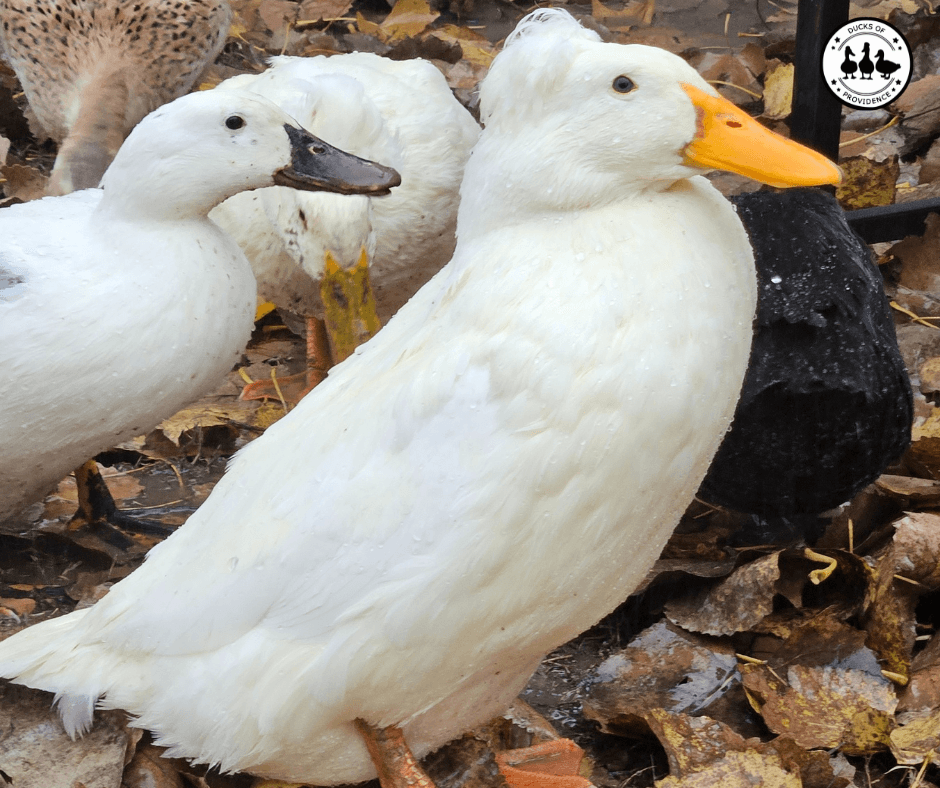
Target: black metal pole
column 817, row 113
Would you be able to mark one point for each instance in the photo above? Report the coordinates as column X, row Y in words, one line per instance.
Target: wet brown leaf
column 316, row 10
column 149, row 769
column 735, row 604
column 917, row 738
column 920, row 265
column 725, row 70
column 703, row 752
column 910, row 567
column 277, row 14
column 922, row 692
column 199, row 416
column 824, row 707
column 922, row 492
column 666, row 668
column 919, row 105
column 476, row 49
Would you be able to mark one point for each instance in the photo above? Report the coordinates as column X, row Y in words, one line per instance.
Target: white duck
column 401, row 113
column 487, row 477
column 92, row 69
column 119, row 306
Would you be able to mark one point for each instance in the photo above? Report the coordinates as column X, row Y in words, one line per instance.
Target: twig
column 738, row 87
column 912, row 316
column 887, row 125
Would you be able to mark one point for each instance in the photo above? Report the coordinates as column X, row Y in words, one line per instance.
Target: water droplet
column 776, row 279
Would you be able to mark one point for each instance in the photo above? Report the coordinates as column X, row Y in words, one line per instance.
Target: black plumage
column 826, row 403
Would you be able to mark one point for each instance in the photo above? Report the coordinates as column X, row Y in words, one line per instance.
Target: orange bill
column 729, row 139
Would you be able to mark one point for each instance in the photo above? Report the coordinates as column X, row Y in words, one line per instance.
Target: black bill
column 317, row 166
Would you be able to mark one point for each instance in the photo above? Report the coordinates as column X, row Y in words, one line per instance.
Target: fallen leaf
column 22, row 182
column 920, row 264
column 277, row 15
column 37, row 752
column 735, row 604
column 666, row 668
column 21, row 606
column 909, row 568
column 703, row 752
column 198, row 416
column 922, row 692
column 476, row 49
column 824, row 707
column 317, row 10
column 920, row 106
column 918, row 738
column 636, row 12
column 923, row 492
column 778, row 91
column 407, row 18
column 867, row 183
column 149, row 769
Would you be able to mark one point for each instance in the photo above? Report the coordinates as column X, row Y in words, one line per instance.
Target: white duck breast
column 490, row 475
column 118, row 307
column 401, row 113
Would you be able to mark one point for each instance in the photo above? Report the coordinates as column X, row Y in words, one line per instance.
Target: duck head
column 575, row 123
column 191, row 154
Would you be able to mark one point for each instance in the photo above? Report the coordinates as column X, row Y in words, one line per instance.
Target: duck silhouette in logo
column 849, row 66
column 885, row 67
column 865, row 65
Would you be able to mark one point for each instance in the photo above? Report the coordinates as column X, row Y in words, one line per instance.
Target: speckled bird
column 92, row 69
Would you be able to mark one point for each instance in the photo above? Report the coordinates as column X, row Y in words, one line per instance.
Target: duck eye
column 623, row 84
column 234, row 122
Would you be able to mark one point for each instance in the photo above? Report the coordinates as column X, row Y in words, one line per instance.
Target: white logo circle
column 867, row 63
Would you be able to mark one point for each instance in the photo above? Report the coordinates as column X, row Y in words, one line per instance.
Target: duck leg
column 393, row 759
column 350, row 318
column 293, row 388
column 97, row 510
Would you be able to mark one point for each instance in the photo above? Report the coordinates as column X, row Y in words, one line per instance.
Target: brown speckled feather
column 92, row 69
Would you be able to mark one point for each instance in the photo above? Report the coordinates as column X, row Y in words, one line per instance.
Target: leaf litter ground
column 769, row 664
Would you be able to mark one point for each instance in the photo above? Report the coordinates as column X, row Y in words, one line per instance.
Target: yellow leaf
column 867, row 183
column 198, row 416
column 407, row 19
column 476, row 49
column 263, row 308
column 917, row 739
column 238, row 28
column 778, row 92
column 367, row 27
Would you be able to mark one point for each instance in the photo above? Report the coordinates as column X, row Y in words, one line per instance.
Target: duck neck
column 506, row 184
column 156, row 193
